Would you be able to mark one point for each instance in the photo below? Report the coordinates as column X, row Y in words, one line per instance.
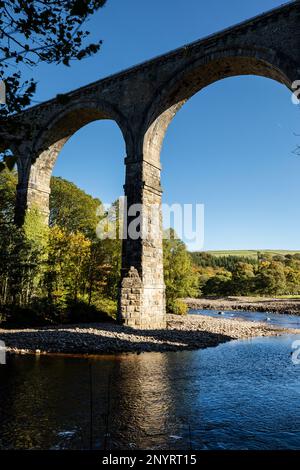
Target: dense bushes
column 178, row 307
column 266, row 275
column 181, row 277
column 55, row 274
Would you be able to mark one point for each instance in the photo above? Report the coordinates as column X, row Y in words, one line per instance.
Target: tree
column 23, row 253
column 34, row 31
column 68, row 257
column 8, row 182
column 181, row 278
column 242, row 279
column 72, row 209
column 270, row 278
column 219, row 284
column 81, row 267
column 104, row 269
column 292, row 277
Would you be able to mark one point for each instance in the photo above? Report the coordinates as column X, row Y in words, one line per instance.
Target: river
column 276, row 319
column 239, row 395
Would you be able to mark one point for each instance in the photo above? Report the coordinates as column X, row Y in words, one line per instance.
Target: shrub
column 24, row 317
column 178, row 307
column 81, row 312
column 107, row 306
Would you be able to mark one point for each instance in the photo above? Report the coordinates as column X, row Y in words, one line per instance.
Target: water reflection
column 240, row 395
column 141, row 400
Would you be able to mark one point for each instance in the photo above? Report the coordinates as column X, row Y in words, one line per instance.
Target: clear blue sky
column 230, row 147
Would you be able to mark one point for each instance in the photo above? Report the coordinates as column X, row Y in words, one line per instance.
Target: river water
column 276, row 319
column 239, row 395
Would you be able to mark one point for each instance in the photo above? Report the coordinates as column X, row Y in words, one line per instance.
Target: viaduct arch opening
column 199, row 75
column 35, row 176
column 223, row 171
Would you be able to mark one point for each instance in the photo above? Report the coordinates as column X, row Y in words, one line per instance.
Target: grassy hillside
column 251, row 253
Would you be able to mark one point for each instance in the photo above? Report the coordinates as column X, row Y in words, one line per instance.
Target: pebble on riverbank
column 182, row 333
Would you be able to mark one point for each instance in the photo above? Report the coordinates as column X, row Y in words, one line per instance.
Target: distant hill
column 250, row 253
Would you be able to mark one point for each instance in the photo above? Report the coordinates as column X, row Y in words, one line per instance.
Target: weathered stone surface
column 143, row 100
column 141, row 306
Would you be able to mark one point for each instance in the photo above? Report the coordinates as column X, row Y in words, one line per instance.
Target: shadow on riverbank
column 109, row 338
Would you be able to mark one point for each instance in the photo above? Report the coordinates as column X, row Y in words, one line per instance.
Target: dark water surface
column 276, row 319
column 239, row 395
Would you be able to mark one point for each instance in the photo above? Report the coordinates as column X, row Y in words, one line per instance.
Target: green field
column 251, row 253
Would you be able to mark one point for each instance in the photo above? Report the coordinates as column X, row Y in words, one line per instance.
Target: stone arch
column 72, row 117
column 35, row 171
column 200, row 73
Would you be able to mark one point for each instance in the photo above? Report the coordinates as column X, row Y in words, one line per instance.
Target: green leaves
column 72, row 209
column 80, row 8
column 38, row 31
column 181, row 278
column 265, row 274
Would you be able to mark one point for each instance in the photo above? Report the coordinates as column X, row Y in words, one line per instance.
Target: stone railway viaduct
column 143, row 101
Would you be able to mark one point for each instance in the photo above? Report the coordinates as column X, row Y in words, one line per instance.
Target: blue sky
column 230, row 147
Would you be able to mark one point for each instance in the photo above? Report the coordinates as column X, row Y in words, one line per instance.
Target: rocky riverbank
column 182, row 333
column 288, row 306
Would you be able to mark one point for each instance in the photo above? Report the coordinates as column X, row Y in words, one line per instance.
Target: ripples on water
column 276, row 319
column 240, row 395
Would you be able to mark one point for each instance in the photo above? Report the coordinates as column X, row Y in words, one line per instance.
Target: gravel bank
column 289, row 306
column 190, row 332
